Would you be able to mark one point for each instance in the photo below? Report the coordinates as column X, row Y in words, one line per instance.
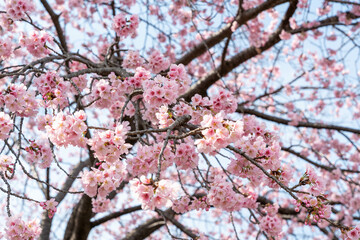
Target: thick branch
column 114, row 215
column 79, row 226
column 45, row 226
column 180, row 226
column 104, row 71
column 146, row 229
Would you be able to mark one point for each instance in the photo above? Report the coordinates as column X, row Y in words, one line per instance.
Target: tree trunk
column 79, row 226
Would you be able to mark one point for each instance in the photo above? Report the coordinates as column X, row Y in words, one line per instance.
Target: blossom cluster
column 202, row 106
column 126, row 86
column 140, row 75
column 49, row 206
column 18, row 229
column 222, row 196
column 39, row 151
column 6, row 23
column 109, row 145
column 268, row 152
column 53, row 89
column 186, row 204
column 241, row 167
column 224, row 101
column 103, row 93
column 257, row 142
column 125, row 27
column 317, row 208
column 17, row 9
column 133, row 60
column 218, row 133
column 154, row 194
column 111, row 94
column 64, row 128
column 6, row 125
column 36, row 43
column 6, row 163
column 271, row 223
column 18, row 100
column 146, row 159
column 316, row 183
column 353, row 234
column 104, row 179
column 186, row 156
column 157, row 62
column 100, row 204
column 164, row 116
column 284, row 174
column 164, row 90
column 6, row 48
column 80, row 82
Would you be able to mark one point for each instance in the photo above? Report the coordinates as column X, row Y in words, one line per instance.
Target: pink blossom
column 16, row 9
column 36, row 43
column 50, row 206
column 154, row 195
column 125, row 27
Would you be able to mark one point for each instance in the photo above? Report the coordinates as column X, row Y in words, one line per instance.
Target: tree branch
column 70, row 180
column 344, row 2
column 180, row 226
column 55, row 20
column 146, row 229
column 78, row 226
column 300, row 124
column 113, row 215
column 203, row 84
column 225, row 32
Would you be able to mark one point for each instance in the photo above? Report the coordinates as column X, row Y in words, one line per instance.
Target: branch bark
column 79, row 225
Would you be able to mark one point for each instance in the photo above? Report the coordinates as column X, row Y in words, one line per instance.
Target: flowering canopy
column 179, row 119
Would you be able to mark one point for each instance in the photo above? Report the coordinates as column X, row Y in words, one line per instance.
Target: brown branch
column 330, row 21
column 327, row 168
column 344, row 2
column 179, row 225
column 146, row 229
column 104, row 71
column 281, row 210
column 70, row 180
column 79, row 226
column 300, row 124
column 55, row 20
column 114, row 215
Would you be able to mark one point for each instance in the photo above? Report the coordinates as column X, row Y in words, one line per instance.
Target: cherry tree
column 180, row 119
